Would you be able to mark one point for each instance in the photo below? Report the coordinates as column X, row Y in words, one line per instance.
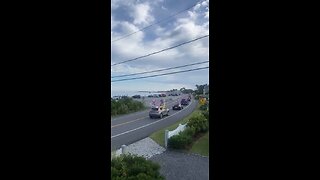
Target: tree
column 200, row 88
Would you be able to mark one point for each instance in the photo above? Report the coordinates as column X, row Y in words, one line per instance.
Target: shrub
column 131, row 167
column 203, row 107
column 125, row 105
column 181, row 140
column 199, row 123
column 206, row 114
column 190, row 131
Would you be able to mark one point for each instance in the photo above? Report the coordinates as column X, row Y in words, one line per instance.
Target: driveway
column 182, row 166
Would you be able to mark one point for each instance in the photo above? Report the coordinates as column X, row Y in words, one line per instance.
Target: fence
column 169, row 134
column 122, row 150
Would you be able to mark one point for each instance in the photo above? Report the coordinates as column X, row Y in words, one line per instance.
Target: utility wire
column 176, row 72
column 146, row 72
column 167, row 18
column 161, row 50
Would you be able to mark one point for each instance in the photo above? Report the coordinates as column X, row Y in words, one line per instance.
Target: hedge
column 131, row 167
column 197, row 124
column 125, row 105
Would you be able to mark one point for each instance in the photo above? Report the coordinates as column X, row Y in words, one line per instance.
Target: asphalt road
column 133, row 127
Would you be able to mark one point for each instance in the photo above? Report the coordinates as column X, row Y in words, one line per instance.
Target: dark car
column 150, row 95
column 136, row 96
column 177, row 107
column 184, row 102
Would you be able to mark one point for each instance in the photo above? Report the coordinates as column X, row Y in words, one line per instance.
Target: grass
column 201, row 146
column 158, row 136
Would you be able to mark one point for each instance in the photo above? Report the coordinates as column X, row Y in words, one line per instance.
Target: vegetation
column 131, row 167
column 158, row 136
column 196, row 126
column 182, row 140
column 195, row 138
column 186, row 91
column 199, row 123
column 201, row 146
column 125, row 106
column 200, row 88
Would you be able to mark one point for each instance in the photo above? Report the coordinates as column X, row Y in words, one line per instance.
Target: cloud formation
column 184, row 27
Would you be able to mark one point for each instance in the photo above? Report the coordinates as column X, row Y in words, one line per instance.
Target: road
column 133, row 127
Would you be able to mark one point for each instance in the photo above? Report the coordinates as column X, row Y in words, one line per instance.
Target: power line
column 146, row 72
column 161, row 50
column 160, row 74
column 156, row 22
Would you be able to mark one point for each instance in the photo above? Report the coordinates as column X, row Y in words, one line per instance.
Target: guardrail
column 168, row 134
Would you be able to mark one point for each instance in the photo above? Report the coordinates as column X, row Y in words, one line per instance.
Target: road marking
column 135, row 119
column 129, row 122
column 142, row 111
column 149, row 123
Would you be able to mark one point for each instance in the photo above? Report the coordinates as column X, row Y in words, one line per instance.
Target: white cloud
column 197, row 7
column 142, row 14
column 162, row 7
column 191, row 25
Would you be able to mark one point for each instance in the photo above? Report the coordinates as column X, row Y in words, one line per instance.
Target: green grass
column 201, row 146
column 158, row 136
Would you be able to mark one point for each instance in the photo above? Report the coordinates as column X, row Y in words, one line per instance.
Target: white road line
column 144, row 110
column 135, row 119
column 149, row 123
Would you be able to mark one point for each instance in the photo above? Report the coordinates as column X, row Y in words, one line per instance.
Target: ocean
column 131, row 93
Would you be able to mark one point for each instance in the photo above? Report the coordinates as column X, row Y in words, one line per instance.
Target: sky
column 128, row 16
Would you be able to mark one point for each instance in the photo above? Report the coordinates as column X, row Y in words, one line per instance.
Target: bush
column 203, row 107
column 181, row 140
column 206, row 115
column 125, row 105
column 199, row 122
column 131, row 167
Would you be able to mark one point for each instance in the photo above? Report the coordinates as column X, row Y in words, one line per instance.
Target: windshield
column 155, row 109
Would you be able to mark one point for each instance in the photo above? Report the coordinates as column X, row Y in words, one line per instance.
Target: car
column 158, row 112
column 116, row 97
column 136, row 96
column 177, row 106
column 156, row 95
column 150, row 95
column 184, row 102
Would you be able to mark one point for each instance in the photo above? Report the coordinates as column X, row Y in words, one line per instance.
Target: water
column 131, row 93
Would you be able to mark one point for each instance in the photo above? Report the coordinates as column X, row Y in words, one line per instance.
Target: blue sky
column 128, row 16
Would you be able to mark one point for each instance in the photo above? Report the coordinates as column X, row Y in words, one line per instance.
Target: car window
column 155, row 109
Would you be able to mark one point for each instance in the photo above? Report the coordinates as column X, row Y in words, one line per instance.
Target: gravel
column 145, row 147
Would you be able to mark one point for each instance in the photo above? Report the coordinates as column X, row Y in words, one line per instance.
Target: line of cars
column 157, row 95
column 162, row 110
column 183, row 102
